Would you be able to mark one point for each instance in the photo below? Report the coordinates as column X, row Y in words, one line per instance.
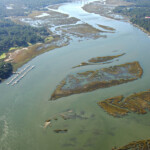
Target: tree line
column 5, row 70
column 15, row 35
column 137, row 12
column 24, row 7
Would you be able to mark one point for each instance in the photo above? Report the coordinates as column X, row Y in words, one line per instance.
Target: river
column 25, row 106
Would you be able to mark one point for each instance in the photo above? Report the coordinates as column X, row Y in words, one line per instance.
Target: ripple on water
column 3, row 129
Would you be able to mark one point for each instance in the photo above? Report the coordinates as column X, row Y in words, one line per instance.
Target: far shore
column 63, row 24
column 20, row 56
column 108, row 11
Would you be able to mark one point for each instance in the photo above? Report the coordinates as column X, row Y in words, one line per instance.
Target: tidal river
column 25, row 106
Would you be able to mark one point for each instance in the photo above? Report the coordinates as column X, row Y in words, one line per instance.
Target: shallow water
column 25, row 107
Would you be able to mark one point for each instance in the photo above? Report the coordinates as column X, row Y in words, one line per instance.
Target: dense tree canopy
column 137, row 12
column 5, row 70
column 140, row 3
column 23, row 7
column 14, row 35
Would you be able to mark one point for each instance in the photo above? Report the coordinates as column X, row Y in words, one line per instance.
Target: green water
column 25, row 107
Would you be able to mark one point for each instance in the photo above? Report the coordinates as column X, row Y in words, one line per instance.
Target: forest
column 15, row 35
column 5, row 70
column 137, row 12
column 140, row 3
column 23, row 7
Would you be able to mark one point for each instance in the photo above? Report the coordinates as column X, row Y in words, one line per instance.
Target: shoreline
column 65, row 28
column 42, row 46
column 21, row 56
column 110, row 7
column 142, row 29
column 106, row 8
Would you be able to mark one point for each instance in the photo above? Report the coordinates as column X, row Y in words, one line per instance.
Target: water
column 25, row 107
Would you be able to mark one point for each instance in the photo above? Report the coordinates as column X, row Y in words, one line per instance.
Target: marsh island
column 99, row 60
column 118, row 106
column 141, row 145
column 95, row 79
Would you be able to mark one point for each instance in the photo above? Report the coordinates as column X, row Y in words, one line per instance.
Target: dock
column 19, row 75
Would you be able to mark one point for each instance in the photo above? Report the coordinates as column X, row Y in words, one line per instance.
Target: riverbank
column 105, row 8
column 21, row 56
column 137, row 26
column 62, row 27
column 91, row 80
column 21, row 104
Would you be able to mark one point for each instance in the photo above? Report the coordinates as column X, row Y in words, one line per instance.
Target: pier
column 19, row 75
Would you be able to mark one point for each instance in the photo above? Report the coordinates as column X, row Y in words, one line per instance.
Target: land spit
column 99, row 60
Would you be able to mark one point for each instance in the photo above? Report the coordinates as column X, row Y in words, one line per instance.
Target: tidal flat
column 95, row 79
column 62, row 29
column 47, row 18
column 106, row 27
column 67, row 115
